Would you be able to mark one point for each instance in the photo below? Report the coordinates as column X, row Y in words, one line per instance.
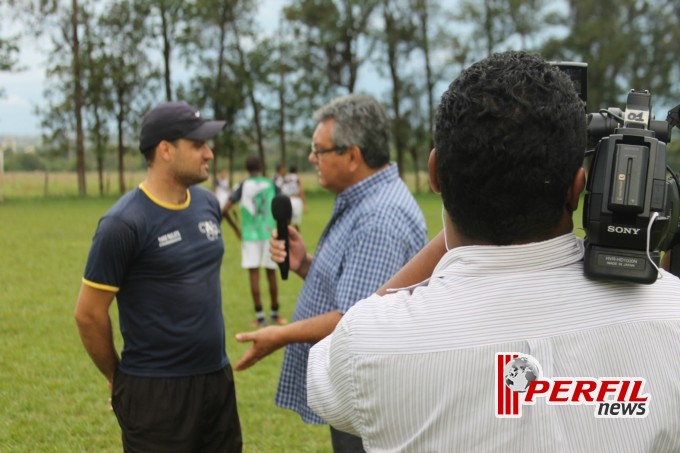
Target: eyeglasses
column 338, row 149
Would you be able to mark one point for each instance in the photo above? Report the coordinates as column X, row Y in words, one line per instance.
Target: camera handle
column 675, row 260
column 673, row 118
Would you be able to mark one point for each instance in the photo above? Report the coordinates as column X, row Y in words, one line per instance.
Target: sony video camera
column 632, row 202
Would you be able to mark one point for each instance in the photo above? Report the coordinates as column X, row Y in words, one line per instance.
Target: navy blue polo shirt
column 163, row 261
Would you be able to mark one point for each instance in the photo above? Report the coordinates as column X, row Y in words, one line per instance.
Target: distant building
column 20, row 144
column 9, row 143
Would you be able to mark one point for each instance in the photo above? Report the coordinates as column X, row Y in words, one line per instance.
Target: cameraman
column 415, row 371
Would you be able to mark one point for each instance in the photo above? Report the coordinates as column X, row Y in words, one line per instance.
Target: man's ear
column 164, row 150
column 575, row 189
column 432, row 171
column 356, row 159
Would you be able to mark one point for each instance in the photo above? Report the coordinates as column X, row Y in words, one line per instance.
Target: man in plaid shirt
column 375, row 228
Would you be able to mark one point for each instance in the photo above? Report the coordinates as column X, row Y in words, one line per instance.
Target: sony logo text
column 623, row 230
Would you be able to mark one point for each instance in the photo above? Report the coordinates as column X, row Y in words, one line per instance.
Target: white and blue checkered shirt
column 375, row 228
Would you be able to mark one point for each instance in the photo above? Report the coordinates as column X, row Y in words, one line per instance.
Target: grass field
column 51, row 396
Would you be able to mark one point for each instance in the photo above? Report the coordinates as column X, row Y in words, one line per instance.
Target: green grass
column 52, row 398
column 51, row 395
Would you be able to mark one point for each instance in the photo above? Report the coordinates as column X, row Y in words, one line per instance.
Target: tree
column 62, row 20
column 421, row 10
column 57, row 123
column 167, row 20
column 336, row 36
column 66, row 30
column 489, row 25
column 399, row 38
column 9, row 49
column 78, row 98
column 216, row 84
column 8, row 52
column 626, row 43
column 529, row 18
column 129, row 72
column 8, row 62
column 301, row 84
column 498, row 25
column 241, row 26
column 97, row 95
column 283, row 69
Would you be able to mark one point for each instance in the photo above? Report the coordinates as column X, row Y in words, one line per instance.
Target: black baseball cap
column 174, row 120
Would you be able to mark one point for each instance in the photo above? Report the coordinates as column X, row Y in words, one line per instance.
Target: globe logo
column 520, row 372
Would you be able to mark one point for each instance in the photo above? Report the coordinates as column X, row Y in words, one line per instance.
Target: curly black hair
column 510, row 137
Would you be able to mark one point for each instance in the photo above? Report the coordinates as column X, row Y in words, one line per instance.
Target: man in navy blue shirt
column 375, row 228
column 158, row 251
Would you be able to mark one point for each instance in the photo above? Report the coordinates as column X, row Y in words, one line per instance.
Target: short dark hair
column 360, row 121
column 253, row 164
column 149, row 154
column 510, row 136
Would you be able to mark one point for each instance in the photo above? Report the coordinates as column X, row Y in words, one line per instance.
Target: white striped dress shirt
column 415, row 372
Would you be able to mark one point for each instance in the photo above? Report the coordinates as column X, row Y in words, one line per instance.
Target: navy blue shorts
column 189, row 414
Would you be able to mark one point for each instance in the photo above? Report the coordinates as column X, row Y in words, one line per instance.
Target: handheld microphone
column 282, row 211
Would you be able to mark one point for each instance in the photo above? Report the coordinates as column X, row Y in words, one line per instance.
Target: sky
column 23, row 91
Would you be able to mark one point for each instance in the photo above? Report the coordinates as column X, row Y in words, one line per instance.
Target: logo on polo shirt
column 210, row 229
column 520, row 381
column 169, row 238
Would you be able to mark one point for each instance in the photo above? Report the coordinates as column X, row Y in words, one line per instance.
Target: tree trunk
column 167, row 50
column 217, row 110
column 414, row 156
column 253, row 101
column 429, row 82
column 397, row 126
column 121, row 152
column 230, row 152
column 282, row 108
column 100, row 172
column 77, row 102
column 99, row 151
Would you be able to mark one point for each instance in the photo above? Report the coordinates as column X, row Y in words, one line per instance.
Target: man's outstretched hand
column 264, row 342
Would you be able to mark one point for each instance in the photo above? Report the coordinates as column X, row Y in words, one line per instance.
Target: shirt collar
column 356, row 192
column 511, row 259
column 482, row 260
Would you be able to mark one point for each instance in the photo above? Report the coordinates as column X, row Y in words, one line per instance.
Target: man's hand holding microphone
column 286, row 246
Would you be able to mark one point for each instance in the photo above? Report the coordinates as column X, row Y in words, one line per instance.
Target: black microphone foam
column 282, row 211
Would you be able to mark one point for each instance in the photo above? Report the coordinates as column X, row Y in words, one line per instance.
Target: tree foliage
column 335, row 36
column 129, row 72
column 9, row 51
column 115, row 58
column 626, row 43
column 167, row 24
column 217, row 85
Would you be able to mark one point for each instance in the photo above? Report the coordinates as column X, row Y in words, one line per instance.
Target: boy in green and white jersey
column 255, row 196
